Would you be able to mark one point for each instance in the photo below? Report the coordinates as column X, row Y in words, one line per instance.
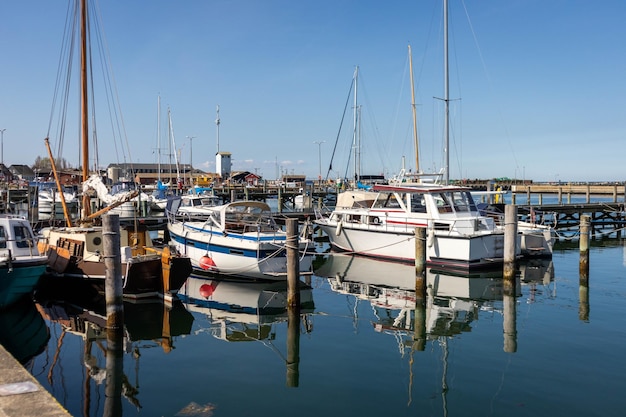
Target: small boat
column 76, row 253
column 21, row 263
column 238, row 238
column 49, row 206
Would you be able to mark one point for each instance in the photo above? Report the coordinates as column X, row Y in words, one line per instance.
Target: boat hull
column 248, row 255
column 464, row 252
column 19, row 279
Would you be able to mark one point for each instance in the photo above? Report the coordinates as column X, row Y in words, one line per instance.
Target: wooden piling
column 583, row 298
column 510, row 240
column 420, row 252
column 293, row 263
column 113, row 273
column 585, row 224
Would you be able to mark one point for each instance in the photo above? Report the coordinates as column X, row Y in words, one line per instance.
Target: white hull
column 381, row 241
column 250, row 255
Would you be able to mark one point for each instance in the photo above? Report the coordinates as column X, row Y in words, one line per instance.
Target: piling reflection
column 147, row 324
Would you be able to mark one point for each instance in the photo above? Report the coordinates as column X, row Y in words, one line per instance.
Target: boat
column 75, row 252
column 238, row 238
column 241, row 310
column 49, row 206
column 21, row 263
column 381, row 223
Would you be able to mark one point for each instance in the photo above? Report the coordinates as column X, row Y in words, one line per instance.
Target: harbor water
column 361, row 345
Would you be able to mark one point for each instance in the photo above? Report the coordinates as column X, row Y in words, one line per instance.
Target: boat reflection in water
column 147, row 324
column 242, row 310
column 23, row 332
column 448, row 304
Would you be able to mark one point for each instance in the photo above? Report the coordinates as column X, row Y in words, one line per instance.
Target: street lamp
column 2, row 146
column 190, row 150
column 319, row 158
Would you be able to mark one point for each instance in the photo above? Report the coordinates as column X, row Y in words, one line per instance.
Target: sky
column 537, row 87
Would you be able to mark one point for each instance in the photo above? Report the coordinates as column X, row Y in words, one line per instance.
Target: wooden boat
column 76, row 251
column 21, row 264
column 238, row 238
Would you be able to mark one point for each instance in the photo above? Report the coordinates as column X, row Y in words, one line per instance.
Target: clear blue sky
column 540, row 83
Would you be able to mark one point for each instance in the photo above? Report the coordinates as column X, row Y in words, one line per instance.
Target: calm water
column 554, row 349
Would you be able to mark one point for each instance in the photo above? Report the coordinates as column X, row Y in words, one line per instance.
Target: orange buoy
column 206, row 263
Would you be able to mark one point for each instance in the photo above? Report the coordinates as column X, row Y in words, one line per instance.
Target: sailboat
column 75, row 252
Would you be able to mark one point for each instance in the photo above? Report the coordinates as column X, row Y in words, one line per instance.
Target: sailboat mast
column 83, row 106
column 446, row 92
column 415, row 138
column 355, row 144
column 159, row 139
column 217, row 124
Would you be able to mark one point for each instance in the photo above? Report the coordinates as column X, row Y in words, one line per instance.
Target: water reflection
column 23, row 332
column 242, row 311
column 246, row 311
column 147, row 324
column 446, row 306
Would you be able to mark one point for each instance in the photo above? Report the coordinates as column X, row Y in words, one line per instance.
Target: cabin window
column 22, row 236
column 389, row 201
column 443, row 202
column 463, row 202
column 3, row 238
column 418, row 205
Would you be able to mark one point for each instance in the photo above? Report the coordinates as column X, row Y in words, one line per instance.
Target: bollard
column 113, row 273
column 293, row 263
column 510, row 240
column 585, row 222
column 420, row 252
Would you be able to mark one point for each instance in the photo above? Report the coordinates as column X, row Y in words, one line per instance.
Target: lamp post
column 2, row 146
column 319, row 159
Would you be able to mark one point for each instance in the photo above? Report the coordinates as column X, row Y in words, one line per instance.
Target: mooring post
column 583, row 297
column 585, row 224
column 280, row 199
column 510, row 241
column 420, row 252
column 113, row 286
column 233, row 195
column 293, row 263
column 560, row 195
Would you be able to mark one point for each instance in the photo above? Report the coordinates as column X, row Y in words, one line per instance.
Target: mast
column 159, row 139
column 355, row 144
column 415, row 138
column 83, row 105
column 446, row 93
column 217, row 124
